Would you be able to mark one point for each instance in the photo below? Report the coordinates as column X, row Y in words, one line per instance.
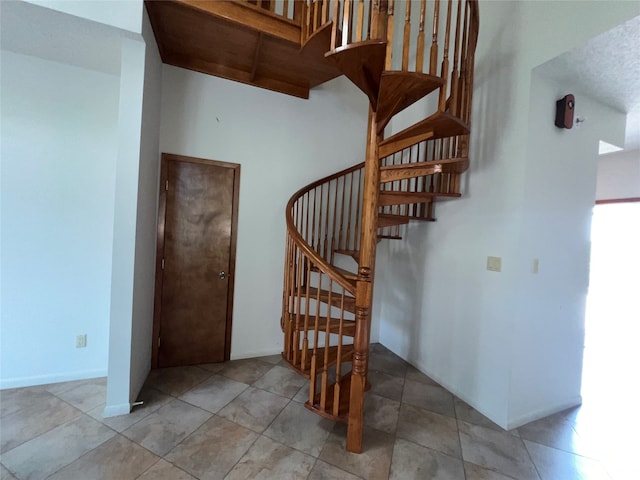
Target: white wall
column 618, row 175
column 125, row 226
column 548, row 327
column 59, row 126
column 282, row 143
column 123, row 14
column 147, row 215
column 442, row 310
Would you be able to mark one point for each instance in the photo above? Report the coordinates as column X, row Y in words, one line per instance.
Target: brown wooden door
column 197, row 261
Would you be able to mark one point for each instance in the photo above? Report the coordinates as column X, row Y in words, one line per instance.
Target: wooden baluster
column 332, row 246
column 327, row 223
column 390, row 34
column 286, row 319
column 285, row 8
column 325, row 12
column 298, row 9
column 375, row 14
column 360, row 22
column 462, row 92
column 316, row 14
column 305, row 341
column 323, row 390
column 299, row 294
column 346, row 22
column 406, row 41
column 308, row 24
column 356, row 232
column 336, row 390
column 312, row 238
column 272, row 5
column 318, row 244
column 316, row 322
column 420, row 42
column 444, row 71
column 453, row 104
column 342, row 216
column 348, row 239
column 433, row 54
column 334, row 28
column 369, row 19
column 312, row 377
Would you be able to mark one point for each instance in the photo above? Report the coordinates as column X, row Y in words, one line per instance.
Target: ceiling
column 606, row 69
column 41, row 32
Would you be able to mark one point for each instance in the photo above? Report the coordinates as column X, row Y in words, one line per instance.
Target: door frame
column 162, row 209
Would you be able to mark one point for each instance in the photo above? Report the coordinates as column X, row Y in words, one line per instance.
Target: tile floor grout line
column 531, row 458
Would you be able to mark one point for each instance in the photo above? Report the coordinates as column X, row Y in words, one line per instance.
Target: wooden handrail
column 297, row 238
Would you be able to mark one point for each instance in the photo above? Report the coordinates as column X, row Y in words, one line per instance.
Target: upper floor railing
column 290, row 9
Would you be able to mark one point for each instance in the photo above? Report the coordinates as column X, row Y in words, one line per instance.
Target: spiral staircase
column 326, row 310
column 397, row 53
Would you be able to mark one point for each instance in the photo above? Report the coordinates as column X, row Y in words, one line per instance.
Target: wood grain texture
column 442, row 124
column 199, row 237
column 362, row 63
column 399, row 90
column 220, row 37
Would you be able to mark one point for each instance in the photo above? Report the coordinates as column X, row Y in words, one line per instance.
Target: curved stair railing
column 327, row 302
column 323, row 219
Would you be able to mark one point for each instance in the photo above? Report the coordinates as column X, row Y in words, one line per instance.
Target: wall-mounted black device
column 564, row 111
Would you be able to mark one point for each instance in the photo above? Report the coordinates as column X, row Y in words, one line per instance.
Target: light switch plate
column 494, row 264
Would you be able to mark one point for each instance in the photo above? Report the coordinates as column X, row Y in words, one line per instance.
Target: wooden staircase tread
column 348, row 326
column 399, row 90
column 355, row 254
column 388, row 220
column 345, row 273
column 420, row 169
column 392, row 197
column 438, row 125
column 343, row 401
column 332, row 357
column 362, row 63
column 336, row 300
column 315, row 48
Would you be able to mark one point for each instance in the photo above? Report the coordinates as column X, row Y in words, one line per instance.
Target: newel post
column 364, row 288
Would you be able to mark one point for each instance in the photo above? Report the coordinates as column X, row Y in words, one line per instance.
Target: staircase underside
column 239, row 42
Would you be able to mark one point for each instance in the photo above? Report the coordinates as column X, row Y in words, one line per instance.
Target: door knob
column 221, row 275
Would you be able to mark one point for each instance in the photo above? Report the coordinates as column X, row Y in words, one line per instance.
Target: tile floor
column 246, row 420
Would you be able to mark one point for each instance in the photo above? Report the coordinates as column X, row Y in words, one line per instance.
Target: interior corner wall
column 618, row 175
column 125, row 226
column 440, row 308
column 548, row 334
column 146, row 216
column 57, row 195
column 282, row 144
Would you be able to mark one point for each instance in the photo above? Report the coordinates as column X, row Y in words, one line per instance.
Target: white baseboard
column 543, row 412
column 116, row 410
column 51, row 378
column 258, row 353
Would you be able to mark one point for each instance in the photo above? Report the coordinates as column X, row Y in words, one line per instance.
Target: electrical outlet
column 494, row 264
column 81, row 341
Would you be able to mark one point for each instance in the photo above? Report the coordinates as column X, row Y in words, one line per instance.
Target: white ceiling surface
column 606, row 69
column 41, row 32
